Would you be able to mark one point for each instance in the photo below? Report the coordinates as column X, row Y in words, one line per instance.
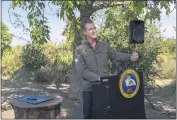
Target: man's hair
column 87, row 21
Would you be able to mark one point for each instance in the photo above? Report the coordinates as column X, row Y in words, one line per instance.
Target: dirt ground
column 165, row 105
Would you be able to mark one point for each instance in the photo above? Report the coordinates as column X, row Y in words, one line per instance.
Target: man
column 91, row 61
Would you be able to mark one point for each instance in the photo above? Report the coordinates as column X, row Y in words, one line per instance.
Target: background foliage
column 6, row 37
column 54, row 62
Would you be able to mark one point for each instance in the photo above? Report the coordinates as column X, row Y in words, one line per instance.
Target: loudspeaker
column 136, row 28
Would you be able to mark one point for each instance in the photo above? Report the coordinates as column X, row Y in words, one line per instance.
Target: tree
column 39, row 29
column 169, row 46
column 87, row 8
column 6, row 37
column 117, row 34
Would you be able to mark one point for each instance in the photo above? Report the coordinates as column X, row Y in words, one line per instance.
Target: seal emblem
column 129, row 83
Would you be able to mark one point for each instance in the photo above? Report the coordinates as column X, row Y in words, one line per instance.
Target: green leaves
column 131, row 10
column 33, row 57
column 6, row 37
column 39, row 30
column 19, row 3
column 11, row 61
column 169, row 46
column 66, row 9
column 116, row 32
column 166, row 6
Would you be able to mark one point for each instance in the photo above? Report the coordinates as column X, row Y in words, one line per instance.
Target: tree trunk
column 75, row 91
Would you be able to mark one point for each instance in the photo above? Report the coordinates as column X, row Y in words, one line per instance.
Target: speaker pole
column 134, row 47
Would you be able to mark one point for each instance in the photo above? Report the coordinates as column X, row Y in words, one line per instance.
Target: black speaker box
column 136, row 28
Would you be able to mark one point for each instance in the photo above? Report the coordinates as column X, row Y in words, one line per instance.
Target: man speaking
column 91, row 61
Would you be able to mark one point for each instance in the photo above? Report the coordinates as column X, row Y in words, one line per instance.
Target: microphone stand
column 108, row 107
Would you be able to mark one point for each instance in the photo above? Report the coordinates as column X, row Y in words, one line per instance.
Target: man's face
column 90, row 31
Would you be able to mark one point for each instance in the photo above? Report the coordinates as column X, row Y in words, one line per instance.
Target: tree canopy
column 6, row 37
column 66, row 11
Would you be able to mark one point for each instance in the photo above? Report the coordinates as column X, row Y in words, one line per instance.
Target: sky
column 57, row 25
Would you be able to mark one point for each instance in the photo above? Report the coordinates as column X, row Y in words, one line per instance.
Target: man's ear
column 84, row 32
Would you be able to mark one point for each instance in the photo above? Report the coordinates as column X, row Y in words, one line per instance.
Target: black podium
column 109, row 103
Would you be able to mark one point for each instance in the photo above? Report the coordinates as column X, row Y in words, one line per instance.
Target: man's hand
column 134, row 56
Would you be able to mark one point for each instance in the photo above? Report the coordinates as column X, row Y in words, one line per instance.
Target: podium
column 110, row 103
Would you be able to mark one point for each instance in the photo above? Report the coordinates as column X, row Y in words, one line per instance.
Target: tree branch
column 77, row 5
column 107, row 4
column 18, row 23
column 10, row 17
column 20, row 38
column 87, row 3
column 51, row 13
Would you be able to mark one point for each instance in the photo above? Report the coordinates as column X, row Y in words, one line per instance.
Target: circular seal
column 129, row 83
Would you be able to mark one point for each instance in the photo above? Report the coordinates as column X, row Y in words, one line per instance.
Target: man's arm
column 81, row 67
column 116, row 55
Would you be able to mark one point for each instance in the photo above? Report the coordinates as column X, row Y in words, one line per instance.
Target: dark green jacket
column 93, row 63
